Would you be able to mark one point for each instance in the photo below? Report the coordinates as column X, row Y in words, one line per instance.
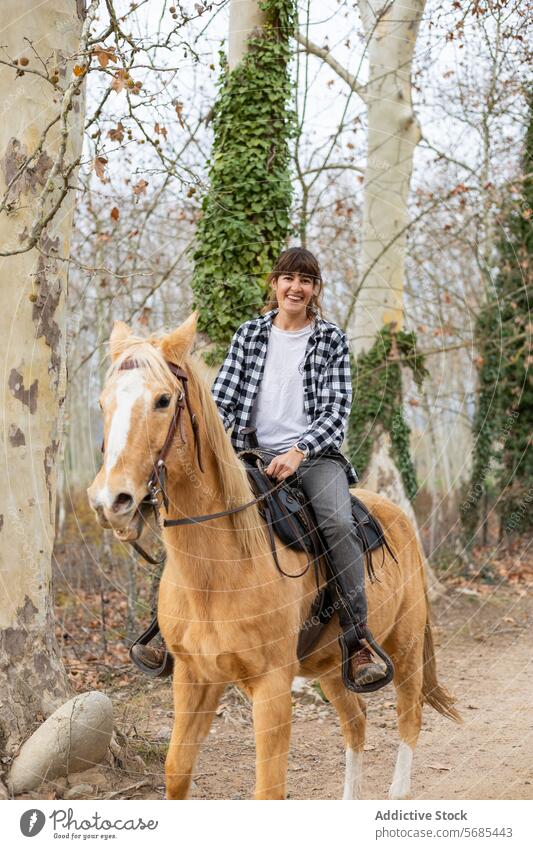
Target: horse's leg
column 352, row 715
column 408, row 684
column 272, row 709
column 194, row 707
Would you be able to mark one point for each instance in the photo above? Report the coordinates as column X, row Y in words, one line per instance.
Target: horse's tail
column 432, row 692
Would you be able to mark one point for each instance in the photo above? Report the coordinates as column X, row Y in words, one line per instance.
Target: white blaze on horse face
column 129, row 389
column 353, row 781
column 401, row 781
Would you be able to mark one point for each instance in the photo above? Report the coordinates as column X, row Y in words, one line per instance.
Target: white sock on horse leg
column 353, row 781
column 401, row 780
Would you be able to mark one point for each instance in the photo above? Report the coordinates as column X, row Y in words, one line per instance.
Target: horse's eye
column 162, row 402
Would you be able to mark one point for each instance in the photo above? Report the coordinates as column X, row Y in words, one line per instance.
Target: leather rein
column 156, row 483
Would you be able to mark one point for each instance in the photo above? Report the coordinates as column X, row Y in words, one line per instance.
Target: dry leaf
column 161, row 131
column 115, row 213
column 99, row 165
column 439, row 766
column 140, row 188
column 178, row 106
column 117, row 134
column 119, row 80
column 79, row 70
column 105, row 55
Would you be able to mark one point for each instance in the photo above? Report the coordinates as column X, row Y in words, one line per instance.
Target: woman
column 287, row 374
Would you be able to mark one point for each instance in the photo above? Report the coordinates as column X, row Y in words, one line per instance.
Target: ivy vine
column 378, row 400
column 503, row 423
column 245, row 213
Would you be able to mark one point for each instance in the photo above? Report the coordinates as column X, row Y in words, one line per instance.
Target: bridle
column 156, row 483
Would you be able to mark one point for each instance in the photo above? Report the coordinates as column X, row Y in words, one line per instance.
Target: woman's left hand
column 284, row 465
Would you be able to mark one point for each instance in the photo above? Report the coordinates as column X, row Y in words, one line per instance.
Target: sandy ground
column 484, row 651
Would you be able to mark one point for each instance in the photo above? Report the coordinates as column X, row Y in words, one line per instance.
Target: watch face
column 302, row 446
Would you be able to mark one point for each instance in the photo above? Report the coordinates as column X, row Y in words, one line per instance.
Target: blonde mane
column 232, row 476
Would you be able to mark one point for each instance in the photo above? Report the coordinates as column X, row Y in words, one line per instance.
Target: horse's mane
column 232, row 476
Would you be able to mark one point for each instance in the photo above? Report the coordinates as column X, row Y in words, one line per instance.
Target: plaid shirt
column 326, row 378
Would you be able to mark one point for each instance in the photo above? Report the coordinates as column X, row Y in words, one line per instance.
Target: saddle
column 291, row 518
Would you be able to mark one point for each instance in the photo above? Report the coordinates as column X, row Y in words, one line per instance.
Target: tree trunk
column 244, row 17
column 32, row 329
column 393, row 132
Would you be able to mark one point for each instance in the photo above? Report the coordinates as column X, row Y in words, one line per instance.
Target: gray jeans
column 325, row 485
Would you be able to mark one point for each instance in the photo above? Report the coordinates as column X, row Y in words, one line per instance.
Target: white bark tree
column 244, row 17
column 391, row 30
column 41, row 86
column 393, row 132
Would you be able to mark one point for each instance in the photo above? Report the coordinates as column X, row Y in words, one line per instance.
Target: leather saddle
column 291, row 517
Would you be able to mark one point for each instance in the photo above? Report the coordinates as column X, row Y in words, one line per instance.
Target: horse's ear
column 117, row 340
column 177, row 344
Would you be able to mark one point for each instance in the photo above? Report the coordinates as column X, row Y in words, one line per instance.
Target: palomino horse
column 225, row 611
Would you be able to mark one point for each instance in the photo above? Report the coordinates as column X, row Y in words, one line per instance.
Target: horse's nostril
column 122, row 503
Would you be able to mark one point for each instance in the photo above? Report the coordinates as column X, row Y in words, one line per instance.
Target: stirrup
column 167, row 666
column 348, row 682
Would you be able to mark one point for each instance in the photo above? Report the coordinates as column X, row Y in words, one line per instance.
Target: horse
column 226, row 613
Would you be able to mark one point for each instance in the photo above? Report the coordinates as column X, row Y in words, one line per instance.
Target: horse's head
column 138, row 402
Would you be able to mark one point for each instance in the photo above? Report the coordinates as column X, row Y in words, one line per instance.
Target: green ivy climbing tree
column 503, row 424
column 245, row 213
column 377, row 381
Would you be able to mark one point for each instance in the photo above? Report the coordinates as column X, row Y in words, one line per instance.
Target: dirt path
column 485, row 658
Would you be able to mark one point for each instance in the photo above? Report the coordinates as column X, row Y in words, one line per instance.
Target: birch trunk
column 32, row 329
column 391, row 31
column 244, row 17
column 393, row 132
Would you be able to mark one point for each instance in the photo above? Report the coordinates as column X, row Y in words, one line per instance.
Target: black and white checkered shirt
column 326, row 378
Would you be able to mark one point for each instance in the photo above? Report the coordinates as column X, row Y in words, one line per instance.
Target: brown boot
column 365, row 669
column 150, row 659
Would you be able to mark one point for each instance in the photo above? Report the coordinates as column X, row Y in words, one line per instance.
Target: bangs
column 297, row 260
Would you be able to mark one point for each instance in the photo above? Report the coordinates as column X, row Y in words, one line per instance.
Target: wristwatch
column 302, row 448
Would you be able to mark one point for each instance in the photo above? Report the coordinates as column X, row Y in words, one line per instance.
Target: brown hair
column 296, row 260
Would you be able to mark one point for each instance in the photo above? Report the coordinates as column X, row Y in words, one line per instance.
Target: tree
column 245, row 213
column 380, row 443
column 503, row 422
column 42, row 70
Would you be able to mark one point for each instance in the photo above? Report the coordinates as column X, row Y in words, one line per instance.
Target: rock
column 90, row 776
column 79, row 791
column 74, row 738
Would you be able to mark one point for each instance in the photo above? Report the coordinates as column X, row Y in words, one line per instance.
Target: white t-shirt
column 278, row 413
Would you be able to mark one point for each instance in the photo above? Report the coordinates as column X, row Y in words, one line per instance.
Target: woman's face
column 294, row 292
